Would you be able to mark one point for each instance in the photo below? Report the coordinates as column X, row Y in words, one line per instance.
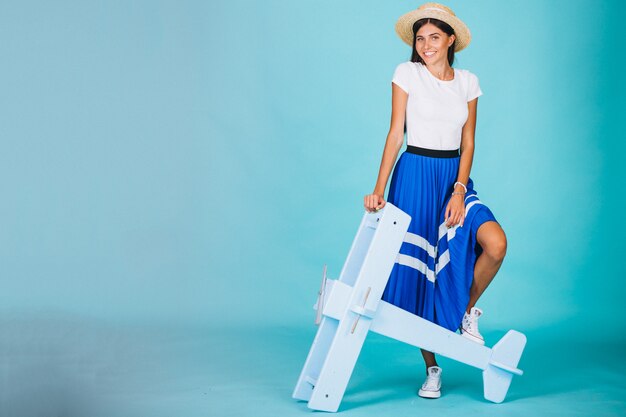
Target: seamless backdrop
column 196, row 164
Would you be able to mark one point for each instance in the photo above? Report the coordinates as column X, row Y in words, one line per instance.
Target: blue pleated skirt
column 434, row 269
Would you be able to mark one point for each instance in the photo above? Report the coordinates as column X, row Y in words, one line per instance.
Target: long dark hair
column 415, row 57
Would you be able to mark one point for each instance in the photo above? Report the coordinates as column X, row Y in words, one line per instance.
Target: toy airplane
column 351, row 306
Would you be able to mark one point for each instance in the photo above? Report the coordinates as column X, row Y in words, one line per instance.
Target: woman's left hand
column 455, row 211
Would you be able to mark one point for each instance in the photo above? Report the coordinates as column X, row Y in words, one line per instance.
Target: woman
column 454, row 245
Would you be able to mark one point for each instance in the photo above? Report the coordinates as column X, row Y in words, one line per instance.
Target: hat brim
column 404, row 26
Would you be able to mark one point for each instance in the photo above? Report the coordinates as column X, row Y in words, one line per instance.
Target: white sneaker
column 431, row 388
column 469, row 326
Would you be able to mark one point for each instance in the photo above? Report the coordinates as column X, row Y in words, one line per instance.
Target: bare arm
column 455, row 211
column 394, row 141
column 467, row 145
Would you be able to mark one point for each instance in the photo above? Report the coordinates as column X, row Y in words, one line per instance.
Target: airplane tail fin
column 505, row 356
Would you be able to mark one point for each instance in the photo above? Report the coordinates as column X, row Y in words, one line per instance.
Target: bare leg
column 429, row 358
column 492, row 239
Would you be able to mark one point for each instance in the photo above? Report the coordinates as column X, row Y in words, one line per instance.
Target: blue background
column 174, row 175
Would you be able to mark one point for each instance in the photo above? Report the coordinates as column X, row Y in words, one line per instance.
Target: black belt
column 434, row 153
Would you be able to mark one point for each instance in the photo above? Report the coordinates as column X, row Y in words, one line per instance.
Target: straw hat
column 404, row 26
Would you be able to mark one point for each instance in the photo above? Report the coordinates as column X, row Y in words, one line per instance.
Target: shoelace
column 471, row 323
column 431, row 382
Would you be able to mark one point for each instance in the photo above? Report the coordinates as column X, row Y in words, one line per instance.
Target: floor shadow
column 548, row 362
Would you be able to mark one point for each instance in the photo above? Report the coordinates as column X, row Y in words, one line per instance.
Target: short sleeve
column 401, row 76
column 473, row 89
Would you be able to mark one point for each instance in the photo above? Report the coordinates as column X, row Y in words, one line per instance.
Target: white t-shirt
column 436, row 110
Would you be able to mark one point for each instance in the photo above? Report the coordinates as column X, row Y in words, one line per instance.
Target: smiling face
column 431, row 43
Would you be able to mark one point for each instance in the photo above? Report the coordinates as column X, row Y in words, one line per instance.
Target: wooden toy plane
column 349, row 307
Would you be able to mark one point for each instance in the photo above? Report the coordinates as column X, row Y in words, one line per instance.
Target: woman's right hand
column 374, row 202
